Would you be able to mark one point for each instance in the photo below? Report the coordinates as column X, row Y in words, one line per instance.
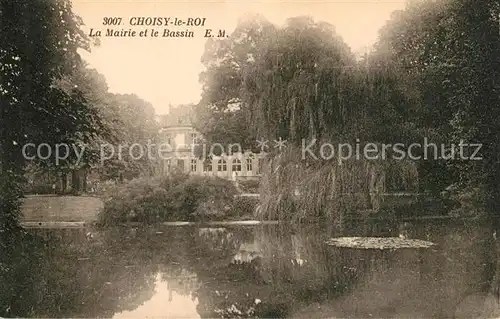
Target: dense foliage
column 178, row 197
column 249, row 186
column 49, row 96
column 433, row 74
column 38, row 45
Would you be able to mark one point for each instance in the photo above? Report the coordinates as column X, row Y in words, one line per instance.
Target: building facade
column 186, row 151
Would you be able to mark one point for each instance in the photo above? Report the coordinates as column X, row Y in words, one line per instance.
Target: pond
column 252, row 271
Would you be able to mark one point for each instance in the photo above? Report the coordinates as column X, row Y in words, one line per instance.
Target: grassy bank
column 177, row 197
column 47, row 208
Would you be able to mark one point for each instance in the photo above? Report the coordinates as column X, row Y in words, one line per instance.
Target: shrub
column 465, row 202
column 39, row 189
column 177, row 197
column 202, row 198
column 129, row 202
column 10, row 208
column 249, row 186
column 243, row 207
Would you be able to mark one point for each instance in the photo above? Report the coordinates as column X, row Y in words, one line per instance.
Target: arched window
column 222, row 165
column 236, row 165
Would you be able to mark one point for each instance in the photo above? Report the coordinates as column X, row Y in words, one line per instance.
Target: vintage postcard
column 249, row 159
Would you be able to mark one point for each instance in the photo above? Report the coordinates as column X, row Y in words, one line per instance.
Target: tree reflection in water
column 258, row 271
column 60, row 273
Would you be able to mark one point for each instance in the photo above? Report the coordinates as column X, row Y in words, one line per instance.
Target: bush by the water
column 244, row 207
column 249, row 186
column 178, row 197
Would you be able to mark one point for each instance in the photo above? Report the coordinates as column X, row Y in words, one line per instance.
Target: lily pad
column 378, row 242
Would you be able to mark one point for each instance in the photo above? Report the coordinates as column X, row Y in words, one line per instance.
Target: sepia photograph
column 250, row 159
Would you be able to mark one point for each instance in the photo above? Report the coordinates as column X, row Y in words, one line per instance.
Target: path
column 60, row 209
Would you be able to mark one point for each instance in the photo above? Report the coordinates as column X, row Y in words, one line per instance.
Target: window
column 194, row 138
column 236, row 165
column 207, row 165
column 194, row 165
column 169, row 165
column 222, row 165
column 249, row 165
column 168, row 139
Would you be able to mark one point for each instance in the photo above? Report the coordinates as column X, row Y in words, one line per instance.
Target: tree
column 38, row 45
column 300, row 83
column 127, row 120
column 449, row 51
column 137, row 129
column 223, row 115
column 94, row 90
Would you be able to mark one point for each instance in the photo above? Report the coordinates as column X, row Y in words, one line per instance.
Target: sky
column 165, row 71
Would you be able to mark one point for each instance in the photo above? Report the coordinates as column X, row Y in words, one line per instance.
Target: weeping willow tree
column 222, row 115
column 306, row 84
column 297, row 190
column 302, row 82
column 296, row 87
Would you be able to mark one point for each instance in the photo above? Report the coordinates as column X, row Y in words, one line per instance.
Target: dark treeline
column 432, row 74
column 49, row 95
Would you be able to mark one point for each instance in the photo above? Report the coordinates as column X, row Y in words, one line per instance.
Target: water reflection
column 251, row 271
column 172, row 298
column 248, row 252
